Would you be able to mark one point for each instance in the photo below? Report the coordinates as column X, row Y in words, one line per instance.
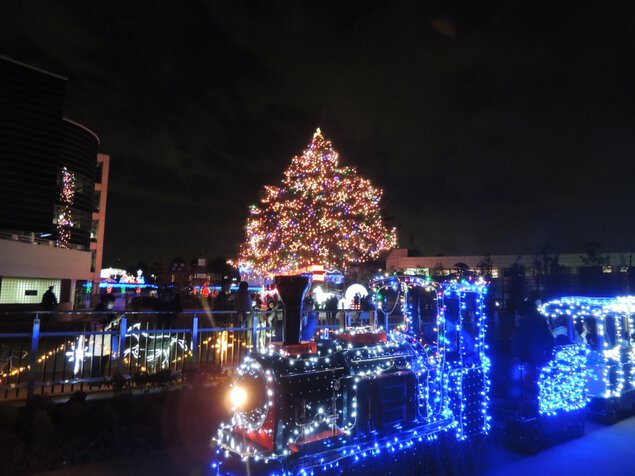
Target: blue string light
column 316, row 415
column 603, row 327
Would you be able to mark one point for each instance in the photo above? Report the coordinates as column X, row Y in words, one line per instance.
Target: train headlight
column 249, row 399
column 238, row 396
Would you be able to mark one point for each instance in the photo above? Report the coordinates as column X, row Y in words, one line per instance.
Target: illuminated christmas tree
column 321, row 213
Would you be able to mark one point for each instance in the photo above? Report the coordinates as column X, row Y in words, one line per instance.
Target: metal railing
column 35, row 240
column 58, row 353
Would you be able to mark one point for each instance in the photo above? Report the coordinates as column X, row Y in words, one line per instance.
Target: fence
column 57, row 353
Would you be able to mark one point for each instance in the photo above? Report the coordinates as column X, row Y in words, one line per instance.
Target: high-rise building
column 53, row 190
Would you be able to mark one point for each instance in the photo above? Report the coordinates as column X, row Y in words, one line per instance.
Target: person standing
column 274, row 318
column 243, row 303
column 49, row 300
column 309, row 318
column 532, row 341
column 106, row 303
column 100, row 345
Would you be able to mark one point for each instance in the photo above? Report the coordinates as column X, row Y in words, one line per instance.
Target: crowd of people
column 533, row 339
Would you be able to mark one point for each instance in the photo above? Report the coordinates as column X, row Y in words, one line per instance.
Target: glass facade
column 27, row 290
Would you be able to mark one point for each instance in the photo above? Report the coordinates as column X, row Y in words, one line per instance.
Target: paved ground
column 604, row 450
column 182, row 461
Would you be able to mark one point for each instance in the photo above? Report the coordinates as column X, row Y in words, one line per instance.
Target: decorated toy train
column 340, row 399
column 312, row 407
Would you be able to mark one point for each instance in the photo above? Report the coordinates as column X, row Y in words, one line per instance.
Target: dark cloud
column 492, row 126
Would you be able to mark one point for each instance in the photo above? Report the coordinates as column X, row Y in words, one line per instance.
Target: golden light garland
column 65, row 217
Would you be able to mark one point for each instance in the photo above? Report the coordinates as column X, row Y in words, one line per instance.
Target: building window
column 27, row 290
column 97, row 201
column 416, row 271
column 99, row 171
column 74, row 218
column 93, row 261
column 94, row 231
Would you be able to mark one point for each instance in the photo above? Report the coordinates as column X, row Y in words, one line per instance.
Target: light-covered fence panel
column 62, row 352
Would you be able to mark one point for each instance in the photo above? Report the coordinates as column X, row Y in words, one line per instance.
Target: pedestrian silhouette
column 49, row 300
column 243, row 303
column 532, row 340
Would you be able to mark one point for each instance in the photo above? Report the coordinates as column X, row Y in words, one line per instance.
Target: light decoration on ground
column 321, row 296
column 8, row 370
column 65, row 216
column 321, row 212
column 362, row 393
column 157, row 349
column 603, row 326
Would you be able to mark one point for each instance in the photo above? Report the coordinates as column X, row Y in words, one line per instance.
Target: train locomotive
column 323, row 406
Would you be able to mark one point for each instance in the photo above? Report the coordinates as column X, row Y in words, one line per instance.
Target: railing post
column 35, row 342
column 194, row 348
column 254, row 337
column 284, row 319
column 123, row 328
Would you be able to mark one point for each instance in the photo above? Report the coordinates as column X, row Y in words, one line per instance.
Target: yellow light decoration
column 320, row 213
column 65, row 218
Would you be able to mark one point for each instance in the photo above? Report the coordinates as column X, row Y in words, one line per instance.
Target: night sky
column 492, row 126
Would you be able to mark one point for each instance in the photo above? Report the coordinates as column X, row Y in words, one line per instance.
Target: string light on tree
column 320, row 213
column 65, row 217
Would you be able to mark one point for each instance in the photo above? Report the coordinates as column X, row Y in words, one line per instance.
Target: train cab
column 536, row 403
column 604, row 327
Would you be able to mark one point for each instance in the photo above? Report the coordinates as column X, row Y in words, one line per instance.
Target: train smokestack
column 292, row 290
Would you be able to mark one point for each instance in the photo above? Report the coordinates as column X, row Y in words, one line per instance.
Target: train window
column 628, row 333
column 560, row 330
column 589, row 333
column 423, row 311
column 610, row 332
column 461, row 332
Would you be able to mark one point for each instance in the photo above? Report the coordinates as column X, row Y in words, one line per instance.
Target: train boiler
column 322, row 406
